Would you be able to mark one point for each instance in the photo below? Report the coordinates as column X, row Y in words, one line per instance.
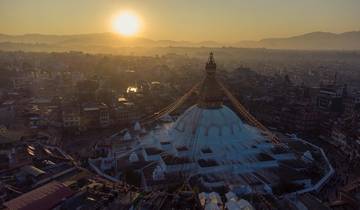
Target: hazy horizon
column 205, row 40
column 201, row 20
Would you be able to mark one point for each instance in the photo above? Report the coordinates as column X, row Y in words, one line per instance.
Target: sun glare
column 126, row 23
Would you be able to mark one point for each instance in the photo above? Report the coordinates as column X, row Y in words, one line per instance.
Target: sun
column 126, row 23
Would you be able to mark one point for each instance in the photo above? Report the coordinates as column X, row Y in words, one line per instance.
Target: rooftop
column 42, row 198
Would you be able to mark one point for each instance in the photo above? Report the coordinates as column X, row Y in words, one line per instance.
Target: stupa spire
column 210, row 92
column 211, row 65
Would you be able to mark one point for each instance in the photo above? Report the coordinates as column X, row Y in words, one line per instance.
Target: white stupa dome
column 213, row 127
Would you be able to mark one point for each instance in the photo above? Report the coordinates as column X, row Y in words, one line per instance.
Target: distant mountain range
column 310, row 41
column 98, row 39
column 92, row 42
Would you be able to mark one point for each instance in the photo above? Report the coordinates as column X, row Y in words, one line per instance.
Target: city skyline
column 234, row 20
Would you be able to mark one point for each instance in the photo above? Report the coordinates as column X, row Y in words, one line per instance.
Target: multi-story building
column 299, row 118
column 351, row 103
column 71, row 117
column 86, row 116
column 95, row 115
column 126, row 113
column 86, row 90
column 21, row 82
column 7, row 112
column 330, row 98
column 104, row 115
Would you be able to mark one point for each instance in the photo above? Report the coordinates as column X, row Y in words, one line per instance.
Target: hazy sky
column 220, row 20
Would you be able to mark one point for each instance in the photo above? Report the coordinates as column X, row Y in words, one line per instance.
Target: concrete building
column 71, row 117
column 7, row 112
column 330, row 98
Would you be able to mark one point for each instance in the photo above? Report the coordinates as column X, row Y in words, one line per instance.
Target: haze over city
column 234, row 20
column 179, row 105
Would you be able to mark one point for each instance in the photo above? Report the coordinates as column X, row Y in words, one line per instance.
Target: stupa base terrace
column 160, row 161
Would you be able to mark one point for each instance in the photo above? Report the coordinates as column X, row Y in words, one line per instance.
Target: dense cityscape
column 179, row 105
column 62, row 114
